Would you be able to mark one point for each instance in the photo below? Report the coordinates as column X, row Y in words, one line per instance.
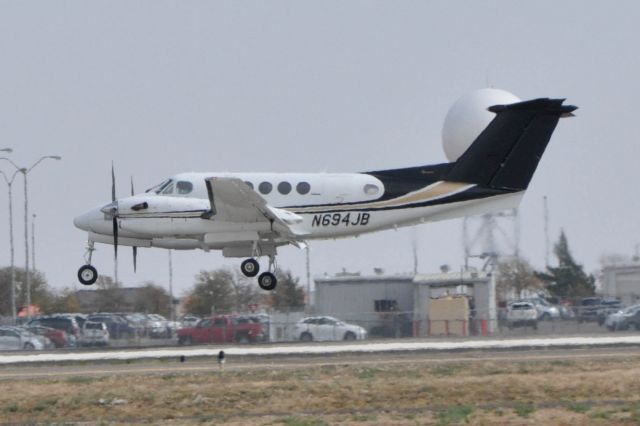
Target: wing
column 232, row 200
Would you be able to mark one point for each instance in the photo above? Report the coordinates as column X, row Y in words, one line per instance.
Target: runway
column 244, row 363
column 299, row 349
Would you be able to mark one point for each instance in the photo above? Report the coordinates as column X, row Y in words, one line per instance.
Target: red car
column 57, row 337
column 222, row 329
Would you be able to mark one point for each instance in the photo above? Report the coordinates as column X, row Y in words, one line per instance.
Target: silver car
column 16, row 339
column 94, row 333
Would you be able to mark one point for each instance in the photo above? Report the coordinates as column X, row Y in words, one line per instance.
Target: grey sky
column 163, row 87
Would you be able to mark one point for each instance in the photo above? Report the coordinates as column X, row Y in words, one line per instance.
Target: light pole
column 25, row 171
column 12, row 268
column 33, row 241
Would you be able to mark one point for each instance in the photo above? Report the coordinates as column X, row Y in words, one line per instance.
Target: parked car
column 608, row 307
column 65, row 323
column 58, row 338
column 18, row 339
column 327, row 328
column 94, row 333
column 587, row 310
column 623, row 319
column 521, row 314
column 159, row 326
column 189, row 321
column 222, row 329
column 546, row 311
column 118, row 327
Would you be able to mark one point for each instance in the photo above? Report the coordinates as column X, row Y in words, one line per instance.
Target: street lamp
column 9, row 182
column 25, row 171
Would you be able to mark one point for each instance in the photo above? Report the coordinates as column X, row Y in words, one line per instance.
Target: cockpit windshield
column 166, row 189
column 157, row 188
column 161, row 187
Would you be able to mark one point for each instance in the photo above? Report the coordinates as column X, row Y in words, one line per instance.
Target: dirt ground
column 599, row 391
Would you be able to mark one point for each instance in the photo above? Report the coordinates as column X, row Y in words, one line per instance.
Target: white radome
column 468, row 117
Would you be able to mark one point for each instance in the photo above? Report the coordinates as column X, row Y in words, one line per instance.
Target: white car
column 327, row 328
column 13, row 338
column 94, row 334
column 623, row 319
column 522, row 314
column 546, row 311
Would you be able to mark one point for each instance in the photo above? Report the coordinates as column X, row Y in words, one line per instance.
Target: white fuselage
column 325, row 205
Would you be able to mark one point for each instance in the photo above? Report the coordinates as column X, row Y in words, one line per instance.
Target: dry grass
column 480, row 392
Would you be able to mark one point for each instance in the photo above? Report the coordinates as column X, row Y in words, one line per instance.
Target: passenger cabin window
column 184, row 187
column 303, row 188
column 249, row 184
column 284, row 188
column 265, row 188
column 370, row 189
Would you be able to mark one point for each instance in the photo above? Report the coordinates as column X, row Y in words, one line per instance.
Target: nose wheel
column 87, row 275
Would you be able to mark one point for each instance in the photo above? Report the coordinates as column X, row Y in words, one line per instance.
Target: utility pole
column 171, row 306
column 546, row 232
column 308, row 277
column 33, row 242
column 9, row 182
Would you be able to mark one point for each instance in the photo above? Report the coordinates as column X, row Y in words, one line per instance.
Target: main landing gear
column 87, row 274
column 266, row 280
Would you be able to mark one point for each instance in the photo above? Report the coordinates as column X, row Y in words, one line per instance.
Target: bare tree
column 515, row 275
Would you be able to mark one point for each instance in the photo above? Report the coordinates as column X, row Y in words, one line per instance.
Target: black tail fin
column 508, row 150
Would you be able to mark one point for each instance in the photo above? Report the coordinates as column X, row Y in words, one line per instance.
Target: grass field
column 582, row 391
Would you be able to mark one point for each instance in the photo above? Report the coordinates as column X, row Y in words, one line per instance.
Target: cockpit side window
column 183, row 187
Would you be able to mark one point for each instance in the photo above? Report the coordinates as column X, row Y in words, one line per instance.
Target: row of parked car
column 75, row 329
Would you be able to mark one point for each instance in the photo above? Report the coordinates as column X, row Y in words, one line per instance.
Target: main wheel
column 267, row 281
column 250, row 267
column 87, row 275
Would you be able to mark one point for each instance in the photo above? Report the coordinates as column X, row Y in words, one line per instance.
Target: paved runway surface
column 162, row 367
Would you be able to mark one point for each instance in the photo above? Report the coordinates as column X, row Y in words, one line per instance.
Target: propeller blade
column 132, row 191
column 115, row 236
column 113, row 183
column 135, row 257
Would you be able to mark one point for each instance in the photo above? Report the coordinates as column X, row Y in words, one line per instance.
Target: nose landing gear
column 87, row 274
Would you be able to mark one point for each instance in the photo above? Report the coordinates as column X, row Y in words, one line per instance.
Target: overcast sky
column 161, row 87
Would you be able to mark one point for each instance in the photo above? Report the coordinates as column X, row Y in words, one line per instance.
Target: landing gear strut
column 87, row 274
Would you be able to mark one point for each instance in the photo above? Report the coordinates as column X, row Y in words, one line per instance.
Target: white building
column 399, row 304
column 622, row 282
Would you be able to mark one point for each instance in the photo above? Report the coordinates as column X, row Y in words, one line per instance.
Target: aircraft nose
column 83, row 221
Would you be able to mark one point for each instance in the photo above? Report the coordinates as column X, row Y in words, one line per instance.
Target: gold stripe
column 433, row 191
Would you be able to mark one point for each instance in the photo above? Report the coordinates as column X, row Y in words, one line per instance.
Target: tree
column 568, row 279
column 110, row 299
column 64, row 301
column 288, row 294
column 154, row 300
column 516, row 275
column 40, row 293
column 245, row 292
column 212, row 290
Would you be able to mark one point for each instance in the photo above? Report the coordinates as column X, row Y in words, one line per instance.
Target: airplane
column 251, row 215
